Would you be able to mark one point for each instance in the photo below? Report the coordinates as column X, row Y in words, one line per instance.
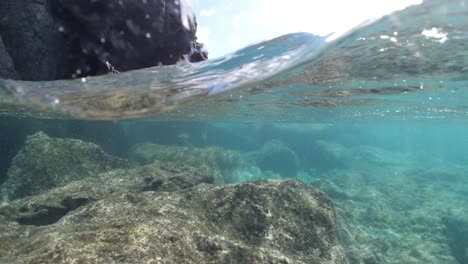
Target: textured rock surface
column 259, row 222
column 56, row 39
column 48, row 208
column 129, row 34
column 162, row 212
column 14, row 131
column 413, row 216
column 457, row 232
column 44, row 163
column 32, row 39
column 7, row 69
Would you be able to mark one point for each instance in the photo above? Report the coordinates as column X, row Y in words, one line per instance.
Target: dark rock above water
column 259, row 222
column 58, row 39
column 44, row 163
column 32, row 39
column 7, row 69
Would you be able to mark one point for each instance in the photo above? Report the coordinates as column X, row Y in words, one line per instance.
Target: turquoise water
column 377, row 119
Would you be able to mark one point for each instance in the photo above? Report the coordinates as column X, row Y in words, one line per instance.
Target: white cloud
column 321, row 17
column 203, row 34
column 236, row 21
column 247, row 22
column 234, row 42
column 207, row 12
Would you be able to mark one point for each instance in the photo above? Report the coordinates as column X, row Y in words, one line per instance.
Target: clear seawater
column 377, row 119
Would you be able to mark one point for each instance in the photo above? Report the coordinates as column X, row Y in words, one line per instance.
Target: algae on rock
column 400, row 217
column 50, row 207
column 260, row 222
column 44, row 163
column 71, row 202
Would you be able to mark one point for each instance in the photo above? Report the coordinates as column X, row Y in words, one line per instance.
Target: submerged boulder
column 277, row 157
column 259, row 222
column 457, row 235
column 51, row 206
column 14, row 131
column 213, row 157
column 224, row 161
column 44, row 163
column 58, row 39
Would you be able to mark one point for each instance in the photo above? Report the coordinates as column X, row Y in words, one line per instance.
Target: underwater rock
column 277, row 157
column 72, row 38
column 7, row 69
column 260, row 222
column 50, row 207
column 44, row 163
column 387, row 217
column 14, row 131
column 223, row 160
column 457, row 234
column 334, row 149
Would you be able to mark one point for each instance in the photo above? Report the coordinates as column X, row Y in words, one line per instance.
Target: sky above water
column 228, row 25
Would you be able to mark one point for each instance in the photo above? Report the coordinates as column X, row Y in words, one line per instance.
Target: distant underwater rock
column 259, row 222
column 216, row 158
column 277, row 157
column 457, row 234
column 334, row 150
column 73, row 38
column 45, row 163
column 406, row 216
